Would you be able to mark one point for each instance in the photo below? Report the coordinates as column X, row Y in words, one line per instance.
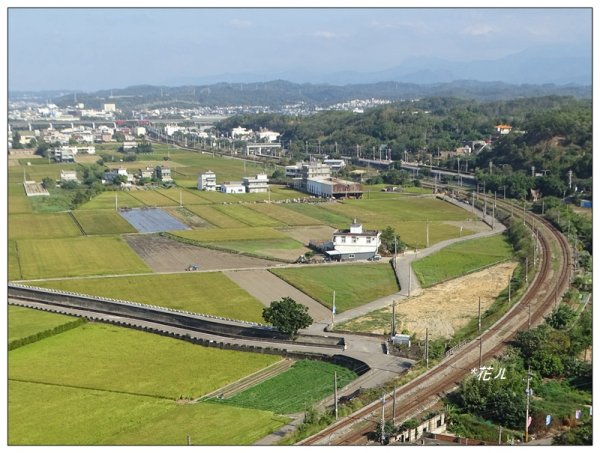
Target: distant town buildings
column 503, row 129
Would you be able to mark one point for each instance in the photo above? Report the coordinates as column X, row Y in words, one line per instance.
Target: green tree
column 389, row 240
column 16, row 143
column 288, row 316
column 48, row 183
column 580, row 435
column 561, row 317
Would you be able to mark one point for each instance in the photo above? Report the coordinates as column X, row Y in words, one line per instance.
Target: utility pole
column 189, row 440
column 333, row 311
column 116, row 202
column 394, row 408
column 394, row 318
column 383, row 419
column 526, row 270
column 500, row 435
column 528, row 392
column 479, row 316
column 523, row 212
column 427, row 229
column 180, row 199
column 426, row 348
column 335, row 394
column 473, row 202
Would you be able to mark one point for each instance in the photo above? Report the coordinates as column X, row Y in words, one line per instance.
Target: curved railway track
column 545, row 288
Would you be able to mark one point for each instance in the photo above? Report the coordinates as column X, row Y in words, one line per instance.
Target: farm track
column 249, row 381
column 421, row 392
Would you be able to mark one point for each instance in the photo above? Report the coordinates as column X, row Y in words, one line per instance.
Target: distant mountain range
column 278, row 93
column 560, row 65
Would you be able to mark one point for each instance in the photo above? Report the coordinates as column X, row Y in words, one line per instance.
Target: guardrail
column 213, row 325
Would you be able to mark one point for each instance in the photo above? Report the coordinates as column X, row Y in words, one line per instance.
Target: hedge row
column 45, row 333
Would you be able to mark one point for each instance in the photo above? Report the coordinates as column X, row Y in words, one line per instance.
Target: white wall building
column 232, row 187
column 68, row 175
column 335, row 164
column 240, row 132
column 269, row 135
column 355, row 243
column 207, row 181
column 256, row 184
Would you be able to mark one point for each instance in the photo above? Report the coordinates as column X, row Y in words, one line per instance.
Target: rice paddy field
column 105, row 385
column 74, row 257
column 208, row 293
column 102, row 222
column 96, row 391
column 354, row 284
column 294, row 390
column 24, row 322
column 42, row 226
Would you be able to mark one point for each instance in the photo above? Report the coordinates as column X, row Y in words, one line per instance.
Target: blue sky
column 88, row 49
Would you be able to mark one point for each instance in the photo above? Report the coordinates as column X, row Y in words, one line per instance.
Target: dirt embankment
column 444, row 308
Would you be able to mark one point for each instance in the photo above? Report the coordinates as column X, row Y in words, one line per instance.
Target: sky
column 91, row 48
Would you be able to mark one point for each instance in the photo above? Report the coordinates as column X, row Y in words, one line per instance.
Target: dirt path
column 266, row 287
column 166, row 255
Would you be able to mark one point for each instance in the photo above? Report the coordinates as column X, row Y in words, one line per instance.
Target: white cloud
column 479, row 30
column 240, row 23
column 325, row 34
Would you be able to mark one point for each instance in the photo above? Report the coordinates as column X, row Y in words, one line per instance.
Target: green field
column 320, row 213
column 294, row 390
column 106, row 200
column 215, row 217
column 103, row 385
column 14, row 267
column 461, row 258
column 18, row 202
column 42, row 226
column 209, row 293
column 354, row 284
column 230, row 234
column 285, row 216
column 23, row 322
column 286, row 249
column 117, row 359
column 154, row 197
column 249, row 216
column 74, row 257
column 103, row 222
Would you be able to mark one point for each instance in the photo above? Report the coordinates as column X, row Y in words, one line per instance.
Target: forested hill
column 278, row 93
column 550, row 133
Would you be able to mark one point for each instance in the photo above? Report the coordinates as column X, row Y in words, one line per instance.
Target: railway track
column 544, row 290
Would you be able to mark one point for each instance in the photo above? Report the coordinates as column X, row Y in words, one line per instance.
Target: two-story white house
column 207, row 181
column 355, row 243
column 256, row 184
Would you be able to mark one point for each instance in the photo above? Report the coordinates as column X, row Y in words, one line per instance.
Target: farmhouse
column 355, row 243
column 256, row 184
column 503, row 129
column 232, row 187
column 333, row 188
column 163, row 173
column 207, row 181
column 68, row 175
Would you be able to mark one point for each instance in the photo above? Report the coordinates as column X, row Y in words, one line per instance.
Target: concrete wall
column 216, row 326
